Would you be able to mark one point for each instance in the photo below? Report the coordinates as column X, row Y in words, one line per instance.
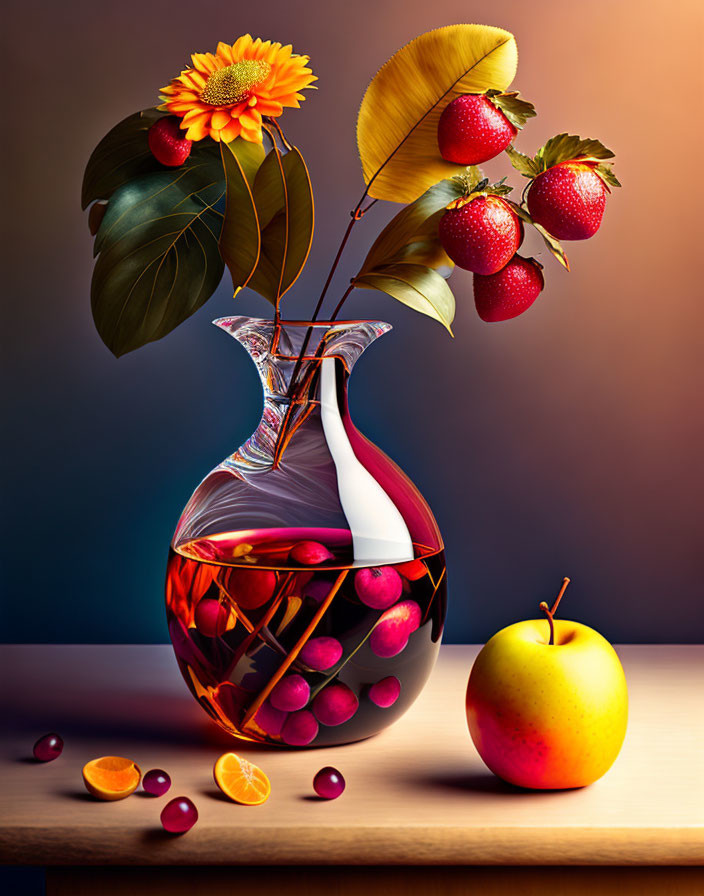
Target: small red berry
column 568, row 200
column 509, row 292
column 167, row 143
column 481, row 236
column 472, row 130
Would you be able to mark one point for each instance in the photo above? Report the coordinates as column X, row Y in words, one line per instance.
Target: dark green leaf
column 159, row 259
column 121, row 155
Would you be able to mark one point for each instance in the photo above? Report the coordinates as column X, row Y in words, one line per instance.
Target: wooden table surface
column 417, row 794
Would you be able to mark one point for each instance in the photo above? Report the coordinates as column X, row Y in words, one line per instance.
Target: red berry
column 300, row 728
column 48, row 747
column 472, row 130
column 482, row 235
column 328, row 783
column 167, row 143
column 310, row 553
column 321, row 653
column 509, row 292
column 211, row 617
column 378, row 586
column 250, row 588
column 179, row 815
column 394, row 628
column 386, row 692
column 335, row 704
column 568, row 200
column 156, row 782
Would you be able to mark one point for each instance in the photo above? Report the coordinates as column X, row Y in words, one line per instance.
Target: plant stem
column 356, row 215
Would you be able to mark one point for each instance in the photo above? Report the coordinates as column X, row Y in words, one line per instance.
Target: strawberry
column 570, row 177
column 481, row 235
column 568, row 200
column 167, row 143
column 475, row 127
column 509, row 292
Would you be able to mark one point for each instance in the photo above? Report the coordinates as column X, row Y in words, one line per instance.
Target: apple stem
column 551, row 612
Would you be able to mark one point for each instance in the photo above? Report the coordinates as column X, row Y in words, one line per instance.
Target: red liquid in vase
column 284, row 640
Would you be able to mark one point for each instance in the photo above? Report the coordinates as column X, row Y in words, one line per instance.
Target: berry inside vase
column 306, row 585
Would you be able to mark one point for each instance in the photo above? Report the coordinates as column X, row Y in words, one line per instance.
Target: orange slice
column 241, row 781
column 111, row 777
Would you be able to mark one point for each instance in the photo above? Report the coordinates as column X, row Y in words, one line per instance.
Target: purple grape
column 321, row 653
column 393, row 630
column 290, row 694
column 156, row 782
column 179, row 815
column 385, row 693
column 335, row 704
column 328, row 783
column 378, row 587
column 300, row 728
column 48, row 747
column 269, row 719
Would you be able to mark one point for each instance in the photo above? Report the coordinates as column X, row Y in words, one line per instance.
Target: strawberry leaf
column 517, row 110
column 607, row 175
column 522, row 163
column 565, row 147
column 554, row 245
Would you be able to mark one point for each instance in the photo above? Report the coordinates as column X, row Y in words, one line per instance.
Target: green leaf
column 522, row 163
column 121, row 155
column 417, row 286
column 607, row 175
column 554, row 246
column 416, row 222
column 514, row 107
column 565, row 147
column 240, row 240
column 283, row 197
column 159, row 259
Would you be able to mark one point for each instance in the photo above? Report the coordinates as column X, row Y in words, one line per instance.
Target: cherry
column 300, row 728
column 328, row 783
column 211, row 617
column 48, row 747
column 179, row 815
column 290, row 694
column 378, row 587
column 386, row 692
column 393, row 630
column 335, row 704
column 321, row 653
column 310, row 553
column 156, row 782
column 269, row 719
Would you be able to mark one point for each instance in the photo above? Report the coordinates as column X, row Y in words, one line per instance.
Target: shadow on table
column 462, row 780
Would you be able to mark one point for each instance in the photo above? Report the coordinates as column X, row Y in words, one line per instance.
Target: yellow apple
column 547, row 703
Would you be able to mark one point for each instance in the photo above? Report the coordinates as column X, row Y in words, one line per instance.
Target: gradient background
column 566, row 442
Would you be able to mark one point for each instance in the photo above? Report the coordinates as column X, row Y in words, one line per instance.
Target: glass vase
column 306, row 586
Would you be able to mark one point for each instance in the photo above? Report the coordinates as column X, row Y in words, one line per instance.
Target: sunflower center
column 234, row 83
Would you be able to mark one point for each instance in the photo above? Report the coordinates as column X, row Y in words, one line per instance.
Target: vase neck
column 276, row 351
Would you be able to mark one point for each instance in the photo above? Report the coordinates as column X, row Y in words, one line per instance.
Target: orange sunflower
column 226, row 94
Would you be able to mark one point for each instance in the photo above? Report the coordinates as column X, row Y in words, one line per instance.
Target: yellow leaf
column 398, row 118
column 414, row 285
